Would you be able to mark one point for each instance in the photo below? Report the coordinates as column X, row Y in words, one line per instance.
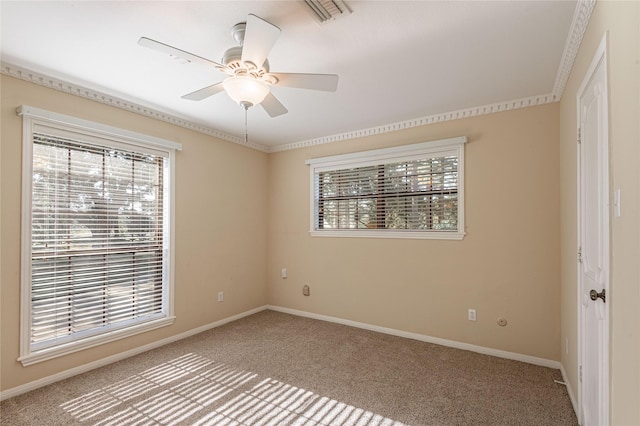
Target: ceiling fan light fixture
column 245, row 90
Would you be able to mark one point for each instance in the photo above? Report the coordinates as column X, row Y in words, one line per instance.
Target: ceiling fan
column 248, row 78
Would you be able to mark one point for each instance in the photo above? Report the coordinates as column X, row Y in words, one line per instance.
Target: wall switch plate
column 283, row 273
column 306, row 291
column 471, row 315
column 221, row 296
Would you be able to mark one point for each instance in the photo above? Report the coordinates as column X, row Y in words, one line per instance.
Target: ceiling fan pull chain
column 246, row 131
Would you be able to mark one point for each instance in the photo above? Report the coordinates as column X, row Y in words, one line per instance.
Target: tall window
column 98, row 234
column 413, row 191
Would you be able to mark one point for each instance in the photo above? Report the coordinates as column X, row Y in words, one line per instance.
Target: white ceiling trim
column 581, row 18
column 579, row 24
column 423, row 121
column 94, row 95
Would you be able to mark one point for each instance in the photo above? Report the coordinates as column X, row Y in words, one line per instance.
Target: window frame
column 34, row 118
column 423, row 150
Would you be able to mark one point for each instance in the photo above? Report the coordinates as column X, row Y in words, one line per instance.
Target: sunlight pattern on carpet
column 195, row 390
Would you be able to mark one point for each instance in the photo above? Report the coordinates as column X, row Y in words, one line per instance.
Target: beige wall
column 517, row 260
column 506, row 266
column 220, row 226
column 622, row 22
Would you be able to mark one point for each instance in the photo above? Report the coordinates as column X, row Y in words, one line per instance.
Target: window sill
column 366, row 233
column 78, row 345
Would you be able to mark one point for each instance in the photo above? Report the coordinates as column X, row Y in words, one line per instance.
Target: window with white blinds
column 99, row 237
column 413, row 191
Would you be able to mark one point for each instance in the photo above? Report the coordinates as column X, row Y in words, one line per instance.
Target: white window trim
column 32, row 117
column 389, row 155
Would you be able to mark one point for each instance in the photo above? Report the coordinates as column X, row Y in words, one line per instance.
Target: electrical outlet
column 221, row 296
column 471, row 315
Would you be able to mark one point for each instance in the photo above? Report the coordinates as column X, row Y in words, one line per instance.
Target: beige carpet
column 278, row 369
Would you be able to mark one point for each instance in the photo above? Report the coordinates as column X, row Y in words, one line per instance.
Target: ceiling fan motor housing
column 232, row 58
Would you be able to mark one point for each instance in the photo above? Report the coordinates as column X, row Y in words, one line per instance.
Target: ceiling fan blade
column 204, row 93
column 273, row 106
column 173, row 51
column 259, row 38
column 324, row 82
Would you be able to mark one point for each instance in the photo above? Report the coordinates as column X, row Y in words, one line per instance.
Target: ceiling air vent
column 326, row 10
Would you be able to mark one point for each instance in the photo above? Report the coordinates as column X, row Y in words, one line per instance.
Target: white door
column 593, row 234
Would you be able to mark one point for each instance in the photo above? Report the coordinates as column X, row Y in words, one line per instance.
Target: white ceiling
column 397, row 60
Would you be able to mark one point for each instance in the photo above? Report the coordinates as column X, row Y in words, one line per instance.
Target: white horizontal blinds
column 415, row 194
column 63, row 131
column 97, row 256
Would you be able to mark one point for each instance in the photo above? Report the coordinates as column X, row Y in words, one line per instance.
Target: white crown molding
column 581, row 17
column 423, row 121
column 26, row 74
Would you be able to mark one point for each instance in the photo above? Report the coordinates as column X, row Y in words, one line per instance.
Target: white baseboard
column 424, row 338
column 572, row 397
column 27, row 387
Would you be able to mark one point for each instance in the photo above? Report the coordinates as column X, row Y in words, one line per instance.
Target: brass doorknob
column 594, row 295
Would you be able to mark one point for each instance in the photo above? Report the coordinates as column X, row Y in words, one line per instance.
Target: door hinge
column 580, row 374
column 579, row 135
column 580, row 254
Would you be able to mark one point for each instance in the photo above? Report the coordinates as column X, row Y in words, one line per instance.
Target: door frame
column 599, row 59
